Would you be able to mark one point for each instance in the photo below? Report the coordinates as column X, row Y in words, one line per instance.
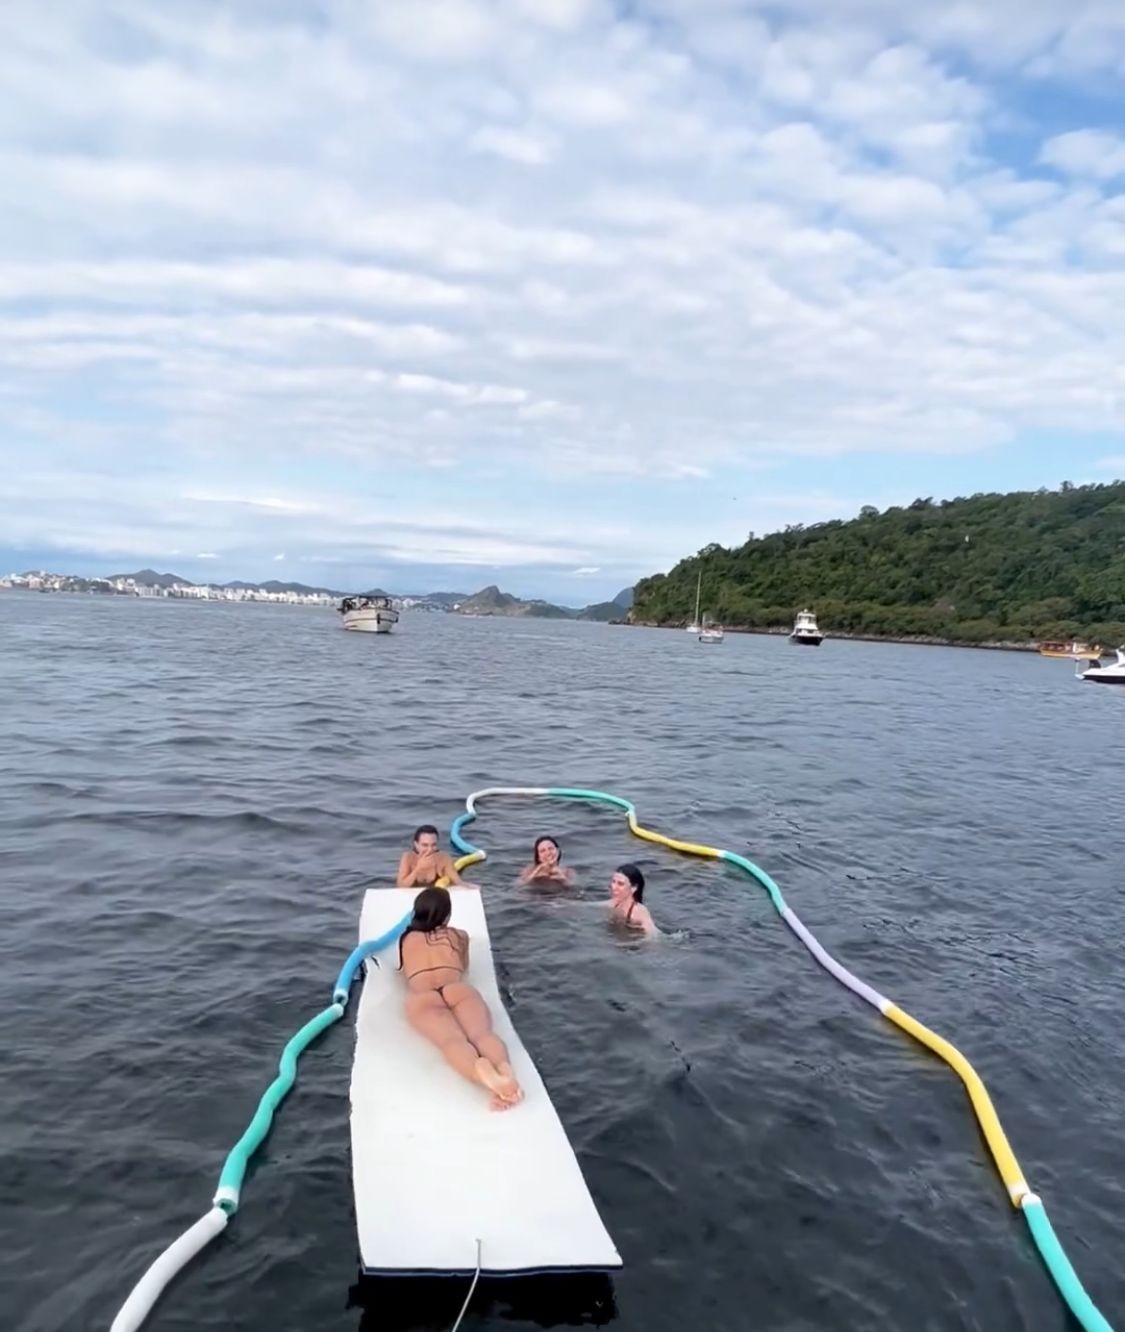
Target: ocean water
column 193, row 798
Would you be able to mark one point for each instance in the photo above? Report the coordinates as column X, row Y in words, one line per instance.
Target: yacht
column 1114, row 674
column 368, row 615
column 805, row 630
column 711, row 633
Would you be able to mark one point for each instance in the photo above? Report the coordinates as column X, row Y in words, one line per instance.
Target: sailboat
column 693, row 628
column 705, row 630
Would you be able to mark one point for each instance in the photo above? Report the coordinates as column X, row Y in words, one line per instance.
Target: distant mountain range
column 150, row 578
column 488, row 601
column 491, row 601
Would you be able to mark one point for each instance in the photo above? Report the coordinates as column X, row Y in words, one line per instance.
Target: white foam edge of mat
column 434, row 1169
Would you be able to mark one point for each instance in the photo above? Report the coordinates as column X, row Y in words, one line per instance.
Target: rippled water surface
column 193, row 798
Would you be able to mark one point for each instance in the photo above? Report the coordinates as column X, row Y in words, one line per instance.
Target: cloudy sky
column 434, row 293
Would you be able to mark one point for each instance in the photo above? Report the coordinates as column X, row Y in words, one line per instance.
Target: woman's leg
column 429, row 1015
column 475, row 1021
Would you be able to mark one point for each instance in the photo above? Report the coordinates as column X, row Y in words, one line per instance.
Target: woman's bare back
column 432, row 961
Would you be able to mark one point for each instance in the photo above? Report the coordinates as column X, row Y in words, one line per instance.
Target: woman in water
column 545, row 867
column 626, row 900
column 426, row 863
column 442, row 1007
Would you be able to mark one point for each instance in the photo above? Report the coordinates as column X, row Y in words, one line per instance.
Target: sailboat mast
column 698, row 589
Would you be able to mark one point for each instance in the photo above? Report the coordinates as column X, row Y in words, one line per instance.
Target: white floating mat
column 434, row 1169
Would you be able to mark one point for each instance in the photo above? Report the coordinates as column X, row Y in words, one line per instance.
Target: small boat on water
column 805, row 631
column 368, row 615
column 705, row 630
column 1112, row 674
column 1074, row 651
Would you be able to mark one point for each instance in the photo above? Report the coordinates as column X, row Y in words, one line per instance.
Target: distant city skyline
column 545, row 293
column 271, row 589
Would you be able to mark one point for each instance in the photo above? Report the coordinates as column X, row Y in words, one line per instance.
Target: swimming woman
column 546, row 856
column 426, row 863
column 434, row 957
column 626, row 900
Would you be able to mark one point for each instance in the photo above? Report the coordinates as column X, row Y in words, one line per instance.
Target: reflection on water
column 395, row 1304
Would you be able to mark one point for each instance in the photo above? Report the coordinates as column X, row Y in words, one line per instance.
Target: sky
column 431, row 294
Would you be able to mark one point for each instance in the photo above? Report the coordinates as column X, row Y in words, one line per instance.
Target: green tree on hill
column 1025, row 566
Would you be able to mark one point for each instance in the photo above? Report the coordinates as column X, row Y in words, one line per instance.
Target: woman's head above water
column 546, row 851
column 425, row 839
column 432, row 908
column 627, row 883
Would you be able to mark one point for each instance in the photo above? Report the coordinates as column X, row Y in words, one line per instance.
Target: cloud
column 511, row 144
column 325, row 283
column 279, row 557
column 440, row 30
column 1096, row 154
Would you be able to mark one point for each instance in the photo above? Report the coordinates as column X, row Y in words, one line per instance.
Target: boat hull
column 1118, row 679
column 806, row 640
column 370, row 621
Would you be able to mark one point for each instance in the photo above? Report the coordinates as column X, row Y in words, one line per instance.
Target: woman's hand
column 429, row 866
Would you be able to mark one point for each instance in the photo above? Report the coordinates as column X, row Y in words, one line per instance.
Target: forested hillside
column 1031, row 565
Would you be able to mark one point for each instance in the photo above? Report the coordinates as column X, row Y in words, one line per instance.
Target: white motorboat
column 368, row 615
column 805, row 630
column 711, row 633
column 1113, row 674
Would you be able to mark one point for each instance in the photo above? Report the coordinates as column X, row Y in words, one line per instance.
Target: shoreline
column 911, row 640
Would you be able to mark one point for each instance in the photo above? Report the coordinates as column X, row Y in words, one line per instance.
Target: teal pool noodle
column 230, row 1181
column 1058, row 1264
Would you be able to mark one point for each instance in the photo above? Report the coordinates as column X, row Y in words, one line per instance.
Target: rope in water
column 472, row 1291
column 1021, row 1195
column 227, row 1196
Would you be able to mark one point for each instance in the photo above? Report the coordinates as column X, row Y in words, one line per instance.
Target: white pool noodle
column 829, row 963
column 176, row 1256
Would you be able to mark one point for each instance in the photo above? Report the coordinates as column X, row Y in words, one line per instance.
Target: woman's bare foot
column 510, row 1093
column 501, row 1082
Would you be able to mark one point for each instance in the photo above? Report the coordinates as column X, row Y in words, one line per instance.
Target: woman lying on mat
column 626, row 900
column 426, row 863
column 545, row 867
column 442, row 1007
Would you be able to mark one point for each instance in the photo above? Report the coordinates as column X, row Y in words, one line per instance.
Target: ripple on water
column 182, row 856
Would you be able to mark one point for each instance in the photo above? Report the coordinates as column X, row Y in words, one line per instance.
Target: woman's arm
column 642, row 917
column 405, row 876
column 450, row 872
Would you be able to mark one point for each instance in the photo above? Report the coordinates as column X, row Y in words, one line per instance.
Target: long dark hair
column 432, row 909
column 636, row 880
column 539, row 842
